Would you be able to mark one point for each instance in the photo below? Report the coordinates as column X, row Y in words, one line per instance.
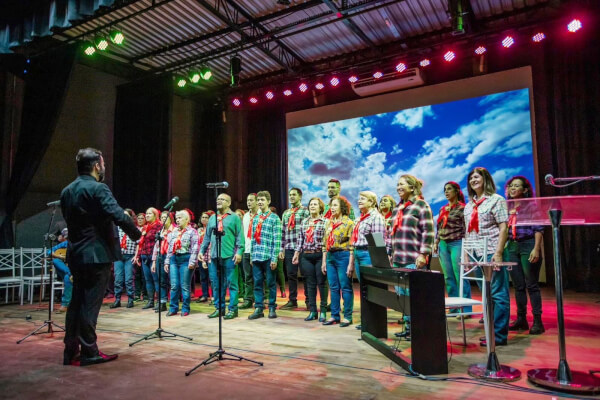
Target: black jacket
column 89, row 209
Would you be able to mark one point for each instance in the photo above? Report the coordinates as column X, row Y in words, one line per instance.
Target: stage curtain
column 46, row 84
column 142, row 161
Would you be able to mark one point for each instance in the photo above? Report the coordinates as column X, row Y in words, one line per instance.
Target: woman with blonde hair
column 386, row 206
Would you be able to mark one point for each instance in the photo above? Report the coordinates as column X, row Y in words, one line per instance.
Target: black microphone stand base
column 579, row 382
column 220, row 355
column 160, row 334
column 48, row 323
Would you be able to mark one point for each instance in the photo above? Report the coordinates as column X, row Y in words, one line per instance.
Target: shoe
column 289, row 305
column 215, row 314
column 202, row 299
column 116, row 304
column 71, row 358
column 331, row 321
column 185, row 313
column 162, row 307
column 322, row 316
column 481, row 321
column 130, row 303
column 258, row 313
column 137, row 299
column 148, row 305
column 537, row 328
column 358, row 327
column 311, row 316
column 345, row 323
column 61, row 309
column 247, row 304
column 231, row 315
column 520, row 324
column 483, row 343
column 171, row 313
column 272, row 313
column 482, row 338
column 99, row 359
column 283, row 295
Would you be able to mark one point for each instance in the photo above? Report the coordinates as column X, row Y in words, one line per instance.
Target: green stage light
column 194, row 76
column 101, row 43
column 117, row 37
column 181, row 81
column 205, row 73
column 88, row 48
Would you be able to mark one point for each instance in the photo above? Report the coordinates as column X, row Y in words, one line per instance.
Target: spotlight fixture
column 236, row 102
column 181, row 81
column 235, row 67
column 253, row 100
column 194, row 76
column 88, row 48
column 480, row 50
column 538, row 37
column 401, row 67
column 205, row 73
column 425, row 62
column 449, row 56
column 574, row 26
column 319, row 86
column 353, row 79
column 287, row 92
column 334, row 81
column 101, row 43
column 117, row 37
column 303, row 87
column 508, row 41
column 269, row 95
column 377, row 74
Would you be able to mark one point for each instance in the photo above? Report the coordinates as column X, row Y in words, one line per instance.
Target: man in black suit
column 90, row 211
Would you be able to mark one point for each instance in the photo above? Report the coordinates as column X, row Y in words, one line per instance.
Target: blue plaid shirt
column 270, row 238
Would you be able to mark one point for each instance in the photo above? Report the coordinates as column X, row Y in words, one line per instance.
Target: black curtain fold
column 142, row 160
column 46, row 84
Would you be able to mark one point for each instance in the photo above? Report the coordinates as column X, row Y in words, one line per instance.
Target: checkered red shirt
column 318, row 232
column 416, row 234
column 372, row 224
column 492, row 212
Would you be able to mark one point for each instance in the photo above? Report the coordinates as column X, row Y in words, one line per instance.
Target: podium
column 556, row 211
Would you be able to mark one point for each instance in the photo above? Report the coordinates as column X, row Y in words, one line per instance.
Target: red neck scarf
column 445, row 212
column 220, row 219
column 388, row 215
column 356, row 227
column 474, row 222
column 399, row 215
column 145, row 230
column 258, row 231
column 512, row 221
column 310, row 232
column 331, row 237
column 292, row 221
column 164, row 245
column 177, row 244
column 328, row 214
column 201, row 232
column 124, row 242
column 249, row 233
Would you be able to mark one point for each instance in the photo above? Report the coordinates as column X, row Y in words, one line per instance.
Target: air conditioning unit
column 388, row 83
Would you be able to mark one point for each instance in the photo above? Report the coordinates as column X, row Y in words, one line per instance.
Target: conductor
column 90, row 211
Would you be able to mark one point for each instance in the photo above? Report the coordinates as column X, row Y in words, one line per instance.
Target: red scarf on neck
column 356, row 227
column 331, row 237
column 145, row 230
column 445, row 212
column 474, row 222
column 310, row 232
column 259, row 225
column 124, row 241
column 220, row 219
column 512, row 221
column 398, row 220
column 292, row 221
column 249, row 233
column 328, row 214
column 177, row 244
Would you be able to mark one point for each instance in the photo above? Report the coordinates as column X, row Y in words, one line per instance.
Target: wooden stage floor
column 301, row 359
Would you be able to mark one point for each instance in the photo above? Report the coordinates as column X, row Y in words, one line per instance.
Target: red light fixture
column 269, row 95
column 353, row 79
column 480, row 50
column 425, row 62
column 377, row 74
column 236, row 102
column 538, row 37
column 287, row 92
column 508, row 41
column 449, row 56
column 303, row 87
column 319, row 86
column 401, row 67
column 574, row 25
column 253, row 100
column 334, row 81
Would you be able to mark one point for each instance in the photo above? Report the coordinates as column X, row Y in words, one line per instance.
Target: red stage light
column 287, row 92
column 319, row 86
column 334, row 81
column 401, row 67
column 480, row 50
column 353, row 79
column 508, row 41
column 236, row 102
column 269, row 95
column 538, row 37
column 253, row 100
column 574, row 26
column 449, row 56
column 377, row 74
column 303, row 87
column 425, row 62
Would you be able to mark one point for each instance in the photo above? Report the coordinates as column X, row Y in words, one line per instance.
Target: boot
column 520, row 324
column 537, row 327
column 323, row 315
column 149, row 304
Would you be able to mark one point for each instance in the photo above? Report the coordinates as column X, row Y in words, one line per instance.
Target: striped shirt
column 415, row 236
column 189, row 244
column 455, row 225
column 491, row 213
column 341, row 234
column 371, row 224
column 270, row 238
column 318, row 232
column 130, row 245
column 289, row 237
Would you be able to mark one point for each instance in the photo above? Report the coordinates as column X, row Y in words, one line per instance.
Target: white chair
column 472, row 251
column 57, row 285
column 34, row 271
column 10, row 273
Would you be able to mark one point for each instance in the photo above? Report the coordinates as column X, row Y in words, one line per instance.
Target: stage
column 301, row 359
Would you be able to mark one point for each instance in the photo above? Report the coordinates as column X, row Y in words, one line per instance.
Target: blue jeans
column 64, row 273
column 259, row 270
column 204, row 280
column 340, row 284
column 151, row 279
column 124, row 277
column 450, row 260
column 501, row 299
column 361, row 257
column 181, row 280
column 230, row 280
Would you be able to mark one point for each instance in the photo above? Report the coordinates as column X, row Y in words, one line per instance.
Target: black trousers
column 89, row 284
column 292, row 274
column 315, row 279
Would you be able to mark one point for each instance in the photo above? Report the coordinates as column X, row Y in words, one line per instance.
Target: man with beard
column 334, row 187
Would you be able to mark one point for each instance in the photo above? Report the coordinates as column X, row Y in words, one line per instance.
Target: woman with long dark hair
column 523, row 247
column 124, row 268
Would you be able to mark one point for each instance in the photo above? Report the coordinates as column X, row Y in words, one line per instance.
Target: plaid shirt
column 455, row 226
column 318, row 232
column 130, row 245
column 289, row 237
column 372, row 224
column 206, row 255
column 189, row 244
column 492, row 212
column 158, row 244
column 415, row 236
column 270, row 238
column 341, row 234
column 149, row 239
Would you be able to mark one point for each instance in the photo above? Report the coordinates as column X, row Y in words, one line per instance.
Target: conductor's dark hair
column 86, row 159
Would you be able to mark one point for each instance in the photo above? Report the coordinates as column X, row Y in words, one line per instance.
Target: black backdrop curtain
column 46, row 84
column 142, row 163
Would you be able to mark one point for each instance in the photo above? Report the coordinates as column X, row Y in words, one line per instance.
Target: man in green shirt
column 334, row 187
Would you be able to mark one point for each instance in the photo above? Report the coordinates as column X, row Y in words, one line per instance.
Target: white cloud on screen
column 413, row 118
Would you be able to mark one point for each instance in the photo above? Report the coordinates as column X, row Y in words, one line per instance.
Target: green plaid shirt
column 270, row 238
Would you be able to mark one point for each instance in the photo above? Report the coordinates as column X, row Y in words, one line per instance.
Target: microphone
column 53, row 203
column 219, row 185
column 172, row 202
column 549, row 179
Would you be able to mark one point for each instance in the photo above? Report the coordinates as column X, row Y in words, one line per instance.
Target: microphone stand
column 160, row 333
column 48, row 323
column 220, row 354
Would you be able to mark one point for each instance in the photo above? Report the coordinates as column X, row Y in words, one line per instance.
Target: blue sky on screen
column 436, row 143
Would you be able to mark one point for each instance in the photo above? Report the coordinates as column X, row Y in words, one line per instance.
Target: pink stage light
column 319, row 86
column 334, row 81
column 574, row 26
column 303, row 87
column 425, row 62
column 269, row 95
column 236, row 102
column 377, row 74
column 401, row 67
column 253, row 100
column 287, row 92
column 353, row 79
column 449, row 56
column 480, row 50
column 508, row 41
column 538, row 37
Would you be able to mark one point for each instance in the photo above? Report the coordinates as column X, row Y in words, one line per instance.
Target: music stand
column 556, row 211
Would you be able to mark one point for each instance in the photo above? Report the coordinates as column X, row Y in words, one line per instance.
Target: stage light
column 88, row 48
column 287, row 92
column 235, row 67
column 401, row 67
column 480, row 50
column 303, row 87
column 101, row 43
column 449, row 56
column 253, row 100
column 117, row 37
column 194, row 76
column 205, row 73
column 425, row 62
column 508, row 41
column 377, row 74
column 269, row 95
column 538, row 37
column 353, row 79
column 181, row 81
column 574, row 26
column 236, row 102
column 334, row 81
column 319, row 86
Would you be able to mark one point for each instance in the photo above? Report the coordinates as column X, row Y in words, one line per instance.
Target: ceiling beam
column 348, row 22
